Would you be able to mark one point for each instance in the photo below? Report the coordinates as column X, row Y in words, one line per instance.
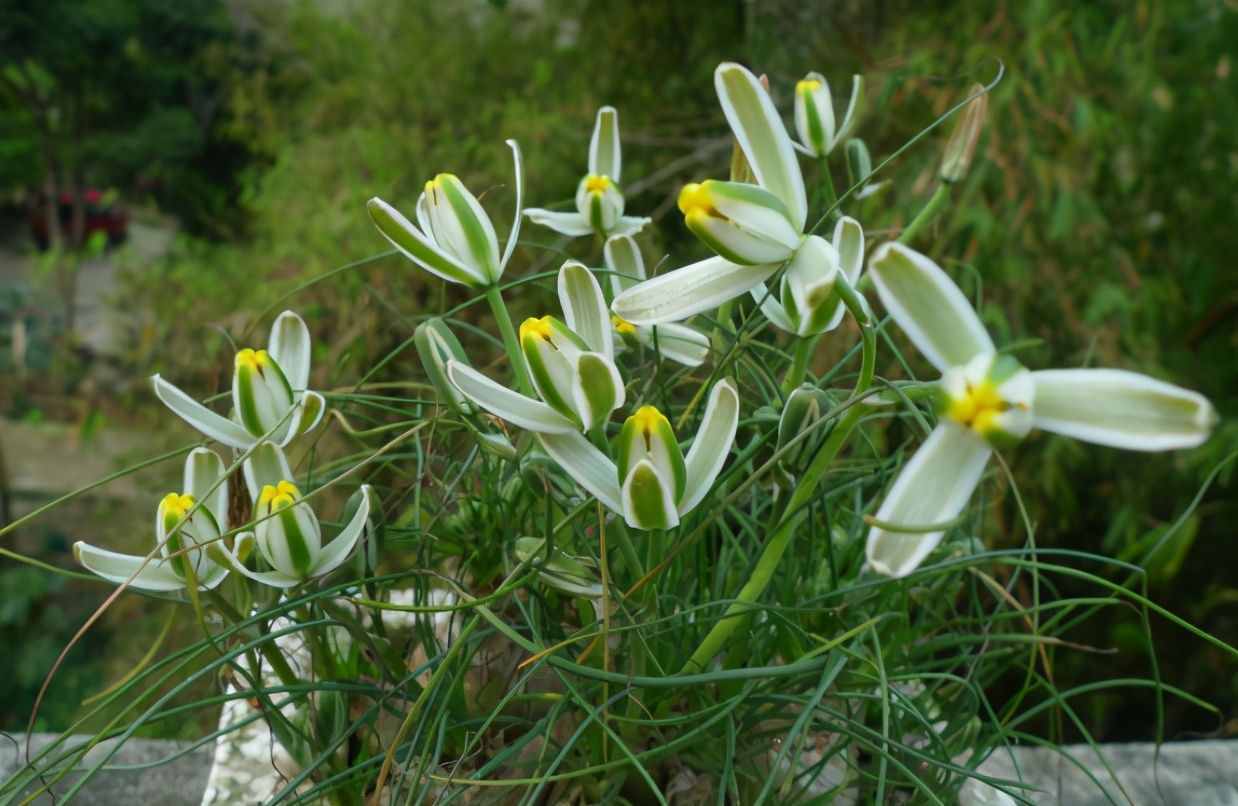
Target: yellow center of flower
column 278, row 496
column 648, row 418
column 807, row 85
column 597, row 184
column 177, row 505
column 695, row 199
column 536, row 327
column 978, row 408
column 253, row 359
column 622, row 325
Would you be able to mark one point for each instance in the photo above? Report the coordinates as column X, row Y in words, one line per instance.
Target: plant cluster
column 646, row 568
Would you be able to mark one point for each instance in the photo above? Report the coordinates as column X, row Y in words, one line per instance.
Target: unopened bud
column 961, row 147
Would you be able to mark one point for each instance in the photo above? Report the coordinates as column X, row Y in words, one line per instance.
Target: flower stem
column 737, row 614
column 800, row 357
column 510, row 342
column 927, row 213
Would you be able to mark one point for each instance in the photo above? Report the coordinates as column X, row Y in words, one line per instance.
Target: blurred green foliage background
column 1098, row 220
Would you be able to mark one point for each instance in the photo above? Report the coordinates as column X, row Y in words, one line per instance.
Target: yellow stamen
column 978, row 408
column 648, row 418
column 177, row 505
column 254, row 359
column 622, row 325
column 808, row 85
column 268, row 492
column 536, row 327
column 695, row 198
column 597, row 184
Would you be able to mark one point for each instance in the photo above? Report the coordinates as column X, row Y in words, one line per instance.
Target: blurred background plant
column 1097, row 219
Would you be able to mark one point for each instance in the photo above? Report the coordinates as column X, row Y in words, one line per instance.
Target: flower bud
column 961, row 147
column 287, row 532
column 261, row 392
column 583, row 386
column 651, row 469
column 436, row 345
column 576, row 576
column 801, row 413
column 599, row 200
column 745, row 224
column 859, row 163
column 455, row 220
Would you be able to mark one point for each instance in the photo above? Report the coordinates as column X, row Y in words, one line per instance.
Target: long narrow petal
column 584, row 307
column 682, row 293
column 139, row 572
column 514, row 235
column 1121, row 409
column 597, row 388
column 712, row 444
column 506, row 404
column 415, row 246
column 629, row 224
column 337, row 551
column 680, row 343
column 772, row 308
column 289, row 345
column 275, row 579
column 623, row 257
column 928, row 306
column 591, row 468
column 265, row 465
column 204, row 470
column 605, row 158
column 312, row 407
column 854, row 107
column 931, row 488
column 762, row 136
column 570, row 224
column 215, row 426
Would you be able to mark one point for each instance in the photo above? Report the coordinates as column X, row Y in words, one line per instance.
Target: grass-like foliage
column 673, row 556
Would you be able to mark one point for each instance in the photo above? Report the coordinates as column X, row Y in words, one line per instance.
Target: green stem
column 737, row 613
column 799, row 363
column 724, row 325
column 827, row 186
column 268, row 648
column 927, row 213
column 510, row 342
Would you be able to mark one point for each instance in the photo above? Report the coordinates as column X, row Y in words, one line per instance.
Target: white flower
column 195, row 517
column 455, row 239
column 599, row 201
column 680, row 343
column 988, row 399
column 814, row 113
column 754, row 229
column 572, row 365
column 269, row 395
column 286, row 530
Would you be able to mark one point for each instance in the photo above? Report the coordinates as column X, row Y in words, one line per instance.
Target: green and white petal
column 517, row 409
column 624, row 259
column 462, row 227
column 151, row 574
column 514, row 235
column 204, row 480
column 849, row 241
column 309, row 412
column 551, row 357
column 213, row 425
column 928, row 306
column 605, row 157
column 852, row 115
column 266, row 465
column 597, row 389
column 712, row 444
column 809, row 282
column 647, row 436
column 336, row 552
column 274, row 579
column 573, row 225
column 680, row 343
column 584, row 307
column 629, row 225
column 648, row 501
column 436, row 345
column 758, row 128
column 741, row 222
column 419, row 248
column 932, row 488
column 289, row 345
column 772, row 308
column 682, row 293
column 591, row 468
column 1121, row 409
column 814, row 114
